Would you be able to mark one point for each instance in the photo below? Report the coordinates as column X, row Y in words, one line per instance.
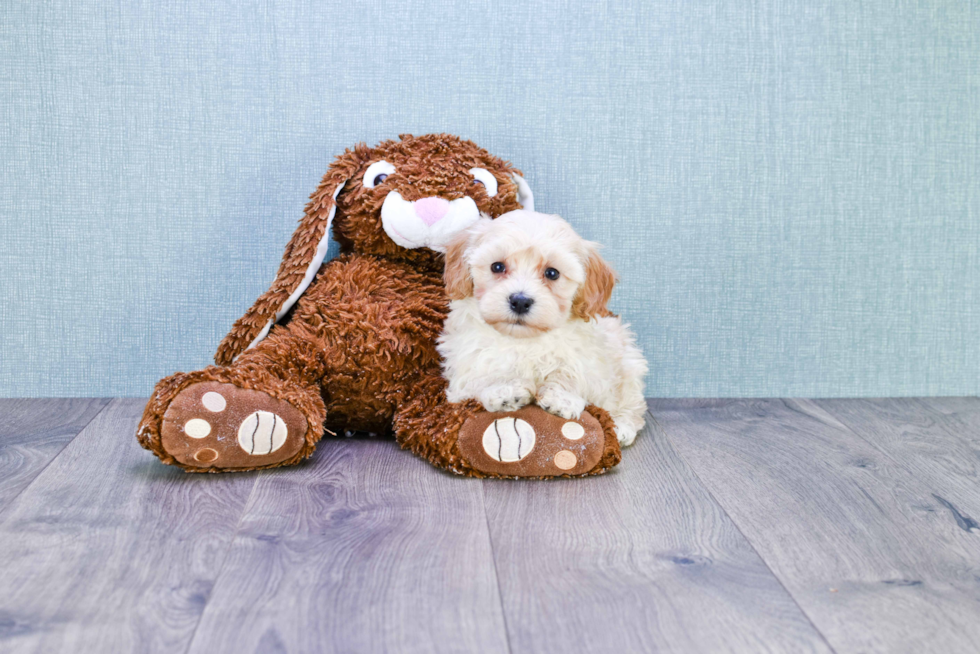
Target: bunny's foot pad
column 211, row 425
column 531, row 443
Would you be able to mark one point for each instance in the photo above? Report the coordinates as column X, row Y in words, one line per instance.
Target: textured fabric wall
column 790, row 189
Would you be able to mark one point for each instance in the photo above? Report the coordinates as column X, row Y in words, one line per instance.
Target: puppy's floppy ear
column 456, row 275
column 300, row 262
column 592, row 297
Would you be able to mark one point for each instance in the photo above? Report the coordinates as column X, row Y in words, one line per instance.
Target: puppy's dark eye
column 476, row 181
column 379, row 179
column 551, row 274
column 497, row 267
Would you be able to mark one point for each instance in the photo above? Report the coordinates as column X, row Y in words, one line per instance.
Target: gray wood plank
column 110, row 551
column 641, row 559
column 873, row 558
column 931, row 438
column 367, row 549
column 959, row 415
column 33, row 432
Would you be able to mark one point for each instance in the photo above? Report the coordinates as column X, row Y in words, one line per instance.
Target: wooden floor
column 731, row 526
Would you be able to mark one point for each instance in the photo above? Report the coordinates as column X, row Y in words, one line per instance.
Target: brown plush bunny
column 350, row 344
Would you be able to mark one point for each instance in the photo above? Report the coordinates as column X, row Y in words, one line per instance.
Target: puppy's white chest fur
column 580, row 353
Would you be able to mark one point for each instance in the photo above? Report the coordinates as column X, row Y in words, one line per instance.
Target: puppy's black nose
column 520, row 303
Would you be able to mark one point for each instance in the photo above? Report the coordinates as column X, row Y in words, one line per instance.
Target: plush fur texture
column 358, row 349
column 529, row 321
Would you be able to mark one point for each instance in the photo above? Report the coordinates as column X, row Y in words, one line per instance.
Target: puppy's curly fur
column 356, row 350
column 529, row 321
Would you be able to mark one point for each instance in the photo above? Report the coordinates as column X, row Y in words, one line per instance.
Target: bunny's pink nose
column 431, row 210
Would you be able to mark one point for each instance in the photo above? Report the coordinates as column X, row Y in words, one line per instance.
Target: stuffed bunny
column 350, row 344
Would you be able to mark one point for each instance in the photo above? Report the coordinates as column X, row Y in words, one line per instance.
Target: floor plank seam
column 13, row 500
column 493, row 559
column 224, row 560
column 842, row 421
column 735, row 524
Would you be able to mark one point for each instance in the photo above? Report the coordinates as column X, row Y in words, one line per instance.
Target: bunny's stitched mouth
column 402, row 236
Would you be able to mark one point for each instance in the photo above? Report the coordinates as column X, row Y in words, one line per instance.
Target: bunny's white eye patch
column 376, row 173
column 484, row 177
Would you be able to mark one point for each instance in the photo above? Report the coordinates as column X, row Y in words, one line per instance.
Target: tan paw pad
column 206, row 455
column 565, row 460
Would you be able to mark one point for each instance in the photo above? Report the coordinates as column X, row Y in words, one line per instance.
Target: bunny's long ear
column 524, row 194
column 302, row 259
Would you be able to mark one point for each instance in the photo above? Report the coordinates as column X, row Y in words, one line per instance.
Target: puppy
column 528, row 320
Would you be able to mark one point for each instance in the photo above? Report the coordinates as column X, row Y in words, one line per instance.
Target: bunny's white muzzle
column 426, row 223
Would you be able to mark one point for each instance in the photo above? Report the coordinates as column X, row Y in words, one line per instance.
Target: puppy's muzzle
column 520, row 304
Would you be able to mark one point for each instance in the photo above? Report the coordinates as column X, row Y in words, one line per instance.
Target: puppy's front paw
column 625, row 436
column 560, row 402
column 505, row 397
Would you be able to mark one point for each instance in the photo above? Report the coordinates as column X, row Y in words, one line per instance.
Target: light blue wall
column 790, row 189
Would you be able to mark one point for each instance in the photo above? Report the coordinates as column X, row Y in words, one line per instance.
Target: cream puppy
column 528, row 321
